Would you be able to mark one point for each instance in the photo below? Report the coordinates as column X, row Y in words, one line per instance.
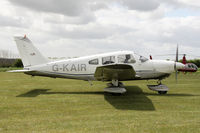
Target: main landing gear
column 160, row 88
column 115, row 87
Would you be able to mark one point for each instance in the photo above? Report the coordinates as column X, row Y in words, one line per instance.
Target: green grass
column 61, row 105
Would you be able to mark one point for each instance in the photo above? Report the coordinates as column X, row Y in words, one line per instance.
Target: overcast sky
column 68, row 28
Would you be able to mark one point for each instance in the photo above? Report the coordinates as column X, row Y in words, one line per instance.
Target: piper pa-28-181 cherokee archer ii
column 114, row 67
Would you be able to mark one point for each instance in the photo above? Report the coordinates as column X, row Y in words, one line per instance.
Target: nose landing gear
column 160, row 88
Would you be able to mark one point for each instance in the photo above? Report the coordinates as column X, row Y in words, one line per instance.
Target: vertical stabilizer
column 29, row 54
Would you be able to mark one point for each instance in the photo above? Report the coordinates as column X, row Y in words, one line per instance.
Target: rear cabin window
column 94, row 62
column 126, row 58
column 108, row 60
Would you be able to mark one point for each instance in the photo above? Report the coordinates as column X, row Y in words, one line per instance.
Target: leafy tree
column 18, row 63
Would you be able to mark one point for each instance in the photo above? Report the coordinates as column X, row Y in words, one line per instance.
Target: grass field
column 41, row 104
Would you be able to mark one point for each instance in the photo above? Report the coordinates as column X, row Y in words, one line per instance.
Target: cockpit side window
column 126, row 58
column 94, row 62
column 108, row 60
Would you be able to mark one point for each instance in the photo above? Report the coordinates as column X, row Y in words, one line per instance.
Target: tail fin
column 29, row 54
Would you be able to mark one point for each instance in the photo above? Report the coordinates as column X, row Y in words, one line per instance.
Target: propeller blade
column 176, row 71
column 177, row 53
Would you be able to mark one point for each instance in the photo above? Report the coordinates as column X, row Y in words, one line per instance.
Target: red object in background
column 189, row 67
column 150, row 57
column 184, row 59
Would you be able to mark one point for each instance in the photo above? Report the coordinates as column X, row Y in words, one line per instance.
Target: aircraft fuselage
column 84, row 68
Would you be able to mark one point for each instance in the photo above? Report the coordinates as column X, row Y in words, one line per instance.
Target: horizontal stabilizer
column 19, row 71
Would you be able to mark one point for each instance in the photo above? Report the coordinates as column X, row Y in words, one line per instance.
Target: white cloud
column 142, row 5
column 67, row 7
column 71, row 28
column 13, row 22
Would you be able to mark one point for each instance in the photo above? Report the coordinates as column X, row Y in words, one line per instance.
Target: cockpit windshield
column 126, row 58
column 142, row 58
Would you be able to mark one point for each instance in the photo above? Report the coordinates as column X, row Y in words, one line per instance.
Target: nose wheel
column 162, row 92
column 160, row 88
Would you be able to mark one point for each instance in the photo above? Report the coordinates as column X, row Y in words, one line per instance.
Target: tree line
column 9, row 62
column 9, row 59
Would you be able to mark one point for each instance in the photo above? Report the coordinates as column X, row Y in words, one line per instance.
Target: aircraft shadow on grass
column 134, row 99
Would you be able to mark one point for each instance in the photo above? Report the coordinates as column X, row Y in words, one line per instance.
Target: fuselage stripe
column 66, row 73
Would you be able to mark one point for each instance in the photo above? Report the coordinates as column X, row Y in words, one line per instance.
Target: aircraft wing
column 117, row 71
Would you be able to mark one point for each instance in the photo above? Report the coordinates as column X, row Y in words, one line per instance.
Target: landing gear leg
column 115, row 87
column 159, row 82
column 115, row 83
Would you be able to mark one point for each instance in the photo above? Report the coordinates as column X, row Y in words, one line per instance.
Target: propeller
column 175, row 68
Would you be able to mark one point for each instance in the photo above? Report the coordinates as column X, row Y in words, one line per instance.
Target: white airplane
column 114, row 67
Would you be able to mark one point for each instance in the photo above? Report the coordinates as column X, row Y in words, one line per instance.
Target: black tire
column 162, row 92
column 116, row 94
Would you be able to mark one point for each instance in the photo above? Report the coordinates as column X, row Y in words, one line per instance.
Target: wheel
column 162, row 92
column 116, row 94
